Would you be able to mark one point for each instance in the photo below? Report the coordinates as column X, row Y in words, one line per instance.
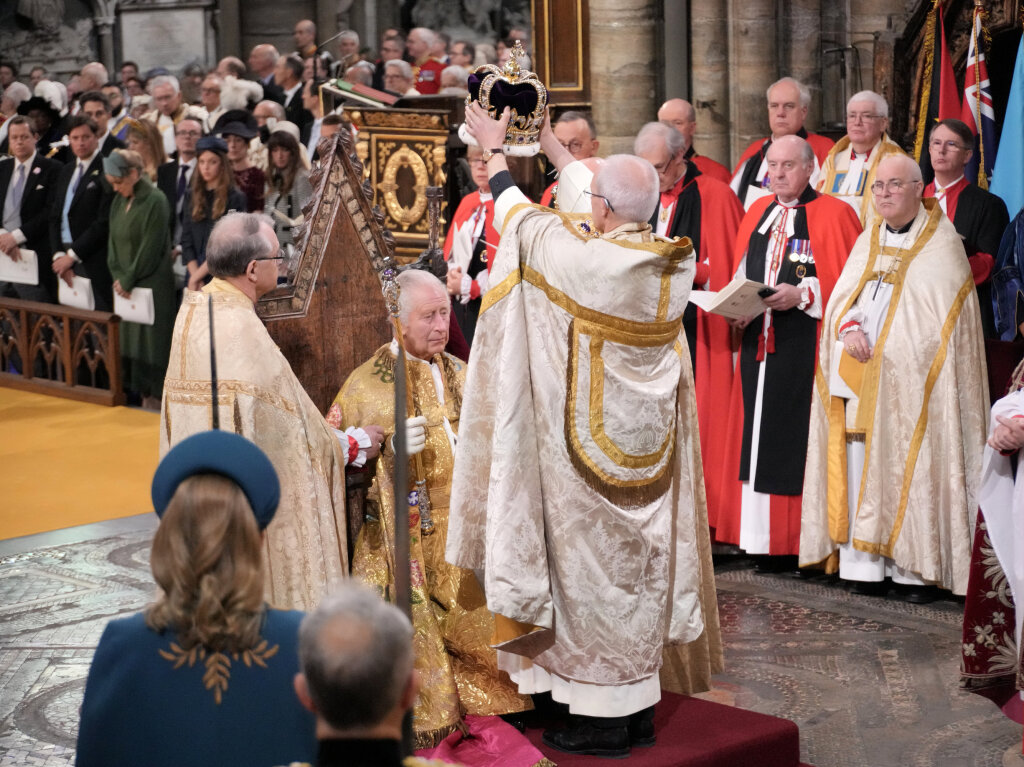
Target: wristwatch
column 487, row 154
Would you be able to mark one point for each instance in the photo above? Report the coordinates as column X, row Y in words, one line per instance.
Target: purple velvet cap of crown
column 521, row 97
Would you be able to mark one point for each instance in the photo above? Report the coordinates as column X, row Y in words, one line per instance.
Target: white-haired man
column 426, row 69
column 705, row 210
column 398, row 78
column 796, row 243
column 169, row 108
column 93, row 76
column 259, row 397
column 452, row 651
column 899, row 415
column 788, row 101
column 683, row 117
column 262, row 62
column 849, row 170
column 559, row 513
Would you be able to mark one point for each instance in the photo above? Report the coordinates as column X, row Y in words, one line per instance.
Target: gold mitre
column 516, row 88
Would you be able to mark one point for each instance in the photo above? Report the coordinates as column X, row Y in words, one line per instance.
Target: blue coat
column 147, row 702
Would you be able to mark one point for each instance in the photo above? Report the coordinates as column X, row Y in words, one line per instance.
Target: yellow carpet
column 66, row 463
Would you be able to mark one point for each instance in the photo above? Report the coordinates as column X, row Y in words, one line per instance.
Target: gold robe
column 829, row 170
column 458, row 670
column 922, row 412
column 578, row 485
column 259, row 397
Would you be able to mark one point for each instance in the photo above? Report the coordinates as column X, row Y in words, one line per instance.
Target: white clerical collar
column 775, row 212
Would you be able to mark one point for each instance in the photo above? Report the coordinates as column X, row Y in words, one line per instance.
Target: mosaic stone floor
column 870, row 682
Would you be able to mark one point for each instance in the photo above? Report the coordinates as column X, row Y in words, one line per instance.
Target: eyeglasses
column 573, row 146
column 892, row 186
column 862, row 117
column 951, row 146
column 281, row 255
column 190, row 133
column 588, row 193
column 476, row 161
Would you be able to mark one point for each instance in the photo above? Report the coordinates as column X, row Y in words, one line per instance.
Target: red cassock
column 708, row 212
column 709, row 167
column 821, row 145
column 832, row 227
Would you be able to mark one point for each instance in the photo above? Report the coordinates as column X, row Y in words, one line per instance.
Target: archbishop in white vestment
column 895, row 447
column 578, row 488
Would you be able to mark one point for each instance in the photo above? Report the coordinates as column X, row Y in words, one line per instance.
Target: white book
column 78, row 294
column 737, row 300
column 24, row 271
column 138, row 307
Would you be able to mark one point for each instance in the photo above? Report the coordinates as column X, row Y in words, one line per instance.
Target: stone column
column 709, row 73
column 866, row 18
column 753, row 66
column 105, row 33
column 800, row 51
column 623, row 68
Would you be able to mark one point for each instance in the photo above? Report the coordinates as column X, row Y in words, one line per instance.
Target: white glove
column 415, row 435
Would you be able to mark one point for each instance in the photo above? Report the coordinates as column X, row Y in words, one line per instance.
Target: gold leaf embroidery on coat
column 218, row 664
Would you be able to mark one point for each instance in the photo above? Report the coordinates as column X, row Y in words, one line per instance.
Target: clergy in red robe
column 788, row 100
column 977, row 215
column 705, row 210
column 796, row 242
column 683, row 117
column 577, row 133
column 470, row 246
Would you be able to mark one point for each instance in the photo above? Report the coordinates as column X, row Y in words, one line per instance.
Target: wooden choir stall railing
column 60, row 351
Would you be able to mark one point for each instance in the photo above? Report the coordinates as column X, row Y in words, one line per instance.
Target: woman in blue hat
column 204, row 675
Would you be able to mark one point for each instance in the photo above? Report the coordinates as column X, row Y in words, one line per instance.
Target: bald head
column 897, row 190
column 681, row 115
column 630, row 185
column 304, row 34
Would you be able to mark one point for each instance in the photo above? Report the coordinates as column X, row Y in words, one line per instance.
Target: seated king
column 458, row 670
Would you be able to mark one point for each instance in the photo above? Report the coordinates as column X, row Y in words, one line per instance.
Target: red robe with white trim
column 832, row 227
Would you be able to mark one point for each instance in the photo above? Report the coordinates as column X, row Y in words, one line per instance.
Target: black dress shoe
column 592, row 736
column 918, row 595
column 641, row 728
column 869, row 588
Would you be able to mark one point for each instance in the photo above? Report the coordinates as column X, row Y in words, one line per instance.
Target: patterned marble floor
column 871, row 682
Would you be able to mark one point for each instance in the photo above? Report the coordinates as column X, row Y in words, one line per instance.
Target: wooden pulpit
column 329, row 317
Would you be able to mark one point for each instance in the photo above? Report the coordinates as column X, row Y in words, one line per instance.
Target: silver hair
column 631, row 185
column 459, row 76
column 881, row 105
column 349, row 34
column 359, row 73
column 235, row 241
column 97, row 72
column 429, row 36
column 156, row 82
column 274, row 107
column 401, row 65
column 355, row 651
column 17, row 92
column 656, row 134
column 805, row 93
column 414, row 281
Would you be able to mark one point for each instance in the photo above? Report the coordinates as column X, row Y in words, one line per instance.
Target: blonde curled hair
column 207, row 561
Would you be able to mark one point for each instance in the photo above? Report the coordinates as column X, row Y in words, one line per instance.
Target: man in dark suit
column 262, row 62
column 97, row 106
column 173, row 179
column 27, row 182
column 79, row 214
column 288, row 74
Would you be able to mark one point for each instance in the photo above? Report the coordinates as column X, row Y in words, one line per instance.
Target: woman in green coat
column 139, row 257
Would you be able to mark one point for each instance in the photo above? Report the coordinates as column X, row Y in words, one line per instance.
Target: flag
column 939, row 98
column 1008, row 174
column 977, row 110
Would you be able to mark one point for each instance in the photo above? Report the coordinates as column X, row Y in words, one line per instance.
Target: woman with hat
column 237, row 128
column 288, row 189
column 204, row 675
column 144, row 137
column 138, row 255
column 211, row 194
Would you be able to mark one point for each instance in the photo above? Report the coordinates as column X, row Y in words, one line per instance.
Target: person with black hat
column 47, row 119
column 212, row 193
column 238, row 127
column 203, row 676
